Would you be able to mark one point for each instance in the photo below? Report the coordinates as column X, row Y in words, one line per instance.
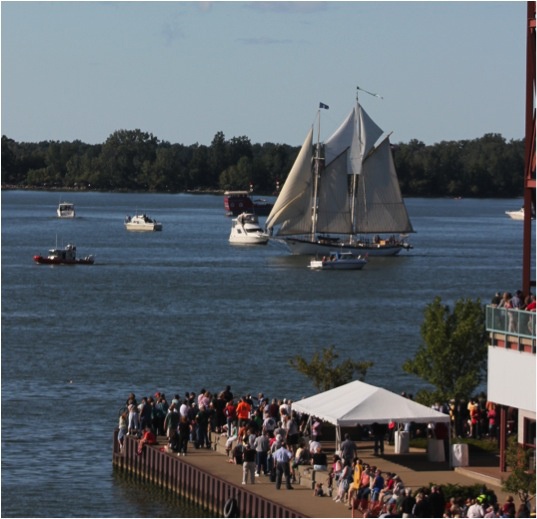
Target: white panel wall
column 511, row 378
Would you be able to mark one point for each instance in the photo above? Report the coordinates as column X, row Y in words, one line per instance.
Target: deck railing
column 508, row 326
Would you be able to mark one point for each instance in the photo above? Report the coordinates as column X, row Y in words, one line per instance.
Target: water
column 182, row 309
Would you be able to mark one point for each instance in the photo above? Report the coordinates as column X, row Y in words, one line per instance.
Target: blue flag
column 322, row 105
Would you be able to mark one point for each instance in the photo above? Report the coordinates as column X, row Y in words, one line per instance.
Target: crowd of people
column 266, row 437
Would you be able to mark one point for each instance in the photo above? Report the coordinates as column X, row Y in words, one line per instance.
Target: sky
column 184, row 71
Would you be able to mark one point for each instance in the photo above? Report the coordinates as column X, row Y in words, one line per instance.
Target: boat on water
column 142, row 223
column 66, row 210
column 518, row 215
column 345, row 196
column 245, row 230
column 65, row 256
column 238, row 202
column 339, row 260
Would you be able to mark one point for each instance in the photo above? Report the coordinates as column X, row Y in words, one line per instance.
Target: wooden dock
column 205, row 477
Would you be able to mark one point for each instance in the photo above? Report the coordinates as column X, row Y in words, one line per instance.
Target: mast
column 354, row 183
column 316, row 173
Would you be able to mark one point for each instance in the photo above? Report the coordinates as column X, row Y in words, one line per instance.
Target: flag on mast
column 322, row 105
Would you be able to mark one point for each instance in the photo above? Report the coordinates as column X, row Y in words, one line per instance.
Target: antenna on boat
column 358, row 89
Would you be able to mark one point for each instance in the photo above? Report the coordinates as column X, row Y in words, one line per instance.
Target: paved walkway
column 414, row 469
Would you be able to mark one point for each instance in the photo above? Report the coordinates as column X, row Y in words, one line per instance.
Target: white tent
column 360, row 403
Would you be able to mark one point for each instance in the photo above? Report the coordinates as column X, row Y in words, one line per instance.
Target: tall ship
column 343, row 194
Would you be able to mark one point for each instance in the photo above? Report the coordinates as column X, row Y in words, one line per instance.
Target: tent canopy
column 360, row 403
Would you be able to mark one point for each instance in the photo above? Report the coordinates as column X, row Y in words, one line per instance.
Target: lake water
column 182, row 309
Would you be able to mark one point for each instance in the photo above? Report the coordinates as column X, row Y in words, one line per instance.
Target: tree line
column 134, row 160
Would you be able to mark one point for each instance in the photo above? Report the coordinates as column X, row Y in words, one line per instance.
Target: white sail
column 379, row 204
column 293, row 207
column 357, row 187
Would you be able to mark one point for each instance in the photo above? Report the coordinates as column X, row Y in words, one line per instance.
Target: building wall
column 511, row 378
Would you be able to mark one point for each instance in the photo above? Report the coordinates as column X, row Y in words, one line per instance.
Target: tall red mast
column 529, row 167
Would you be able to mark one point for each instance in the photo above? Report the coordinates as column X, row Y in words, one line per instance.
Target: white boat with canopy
column 245, row 230
column 345, row 196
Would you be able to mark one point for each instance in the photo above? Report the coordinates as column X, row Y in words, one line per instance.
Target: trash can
column 435, row 450
column 402, row 441
column 459, row 455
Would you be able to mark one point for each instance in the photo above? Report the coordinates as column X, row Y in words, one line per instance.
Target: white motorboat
column 517, row 215
column 339, row 260
column 344, row 198
column 142, row 223
column 66, row 210
column 245, row 230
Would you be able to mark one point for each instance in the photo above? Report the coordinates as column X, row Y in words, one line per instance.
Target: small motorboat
column 142, row 222
column 518, row 215
column 245, row 230
column 65, row 256
column 66, row 210
column 339, row 260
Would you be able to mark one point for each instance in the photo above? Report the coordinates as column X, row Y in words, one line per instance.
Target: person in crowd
column 248, row 464
column 344, row 482
column 183, row 409
column 437, row 501
column 171, row 422
column 233, row 435
column 146, row 414
column 379, row 434
column 123, row 428
column 355, row 483
column 231, row 414
column 243, row 411
column 377, row 486
column 261, row 446
column 148, row 438
column 219, row 404
column 508, row 508
column 348, row 449
column 319, row 460
column 269, row 424
column 202, row 421
column 160, row 410
column 274, row 410
column 476, row 508
column 317, row 429
column 238, row 453
column 421, row 508
column 227, row 394
column 134, row 420
column 282, row 459
column 334, row 473
column 389, row 483
column 290, row 425
column 408, row 503
column 184, row 434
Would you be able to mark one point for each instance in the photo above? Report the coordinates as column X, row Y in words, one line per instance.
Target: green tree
column 324, row 374
column 521, row 480
column 453, row 356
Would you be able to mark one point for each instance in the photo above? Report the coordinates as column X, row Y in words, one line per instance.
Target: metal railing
column 516, row 326
column 511, row 322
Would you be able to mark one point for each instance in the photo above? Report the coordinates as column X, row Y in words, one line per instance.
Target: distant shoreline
column 11, row 187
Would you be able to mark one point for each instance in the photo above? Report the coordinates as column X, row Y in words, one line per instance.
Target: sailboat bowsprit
column 344, row 196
